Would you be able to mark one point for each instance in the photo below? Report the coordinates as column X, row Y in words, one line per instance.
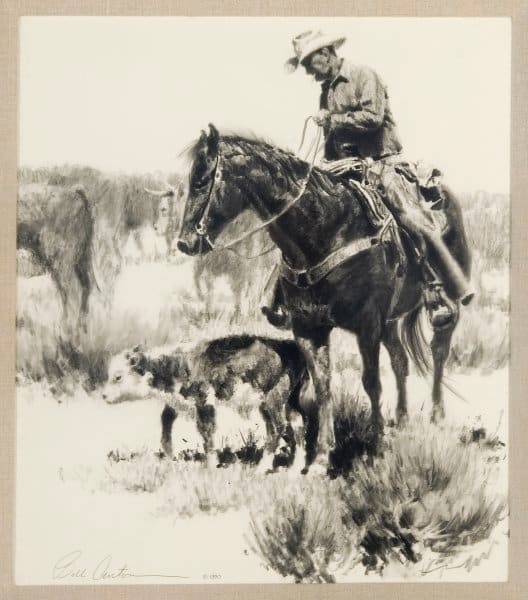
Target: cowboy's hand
column 322, row 117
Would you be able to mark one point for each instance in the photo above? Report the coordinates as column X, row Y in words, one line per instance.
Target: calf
column 274, row 369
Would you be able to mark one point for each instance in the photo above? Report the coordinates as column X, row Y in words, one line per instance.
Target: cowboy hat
column 310, row 41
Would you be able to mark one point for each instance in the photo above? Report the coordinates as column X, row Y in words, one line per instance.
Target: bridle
column 201, row 226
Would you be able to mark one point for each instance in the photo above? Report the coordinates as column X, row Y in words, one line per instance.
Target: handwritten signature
column 72, row 565
column 468, row 564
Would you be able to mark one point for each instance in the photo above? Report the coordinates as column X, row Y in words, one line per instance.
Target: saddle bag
column 428, row 179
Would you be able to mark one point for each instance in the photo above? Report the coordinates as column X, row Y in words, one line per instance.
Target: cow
column 75, row 223
column 56, row 226
column 234, row 265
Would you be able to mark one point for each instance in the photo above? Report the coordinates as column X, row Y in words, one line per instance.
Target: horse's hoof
column 165, row 452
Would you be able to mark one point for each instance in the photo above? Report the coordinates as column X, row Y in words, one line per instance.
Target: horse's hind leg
column 369, row 340
column 440, row 345
column 280, row 443
column 400, row 366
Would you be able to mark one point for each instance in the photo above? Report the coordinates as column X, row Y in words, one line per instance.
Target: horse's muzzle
column 193, row 247
column 184, row 247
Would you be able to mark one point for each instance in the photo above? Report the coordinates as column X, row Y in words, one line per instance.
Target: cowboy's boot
column 275, row 313
column 457, row 283
column 276, row 316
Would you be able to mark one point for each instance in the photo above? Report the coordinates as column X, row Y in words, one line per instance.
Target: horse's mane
column 190, row 151
column 243, row 143
column 290, row 166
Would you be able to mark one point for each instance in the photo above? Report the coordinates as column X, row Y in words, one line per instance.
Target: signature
column 472, row 561
column 72, row 565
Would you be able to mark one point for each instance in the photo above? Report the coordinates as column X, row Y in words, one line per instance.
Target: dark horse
column 318, row 213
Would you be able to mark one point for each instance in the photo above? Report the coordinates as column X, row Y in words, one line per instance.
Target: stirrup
column 440, row 309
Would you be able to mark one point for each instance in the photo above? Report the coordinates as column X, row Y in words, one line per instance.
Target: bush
column 427, row 490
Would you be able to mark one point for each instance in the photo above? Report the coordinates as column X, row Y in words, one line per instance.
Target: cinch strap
column 307, row 277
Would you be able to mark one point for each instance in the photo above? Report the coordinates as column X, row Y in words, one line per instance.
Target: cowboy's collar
column 339, row 78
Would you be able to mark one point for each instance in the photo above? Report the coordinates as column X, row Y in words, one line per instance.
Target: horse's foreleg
column 319, row 433
column 440, row 345
column 400, row 367
column 369, row 347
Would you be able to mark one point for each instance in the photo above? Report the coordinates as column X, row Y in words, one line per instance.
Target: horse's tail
column 414, row 342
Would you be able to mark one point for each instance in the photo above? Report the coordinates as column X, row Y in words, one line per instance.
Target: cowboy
column 357, row 122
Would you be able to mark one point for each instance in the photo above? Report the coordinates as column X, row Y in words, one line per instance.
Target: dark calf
column 275, row 369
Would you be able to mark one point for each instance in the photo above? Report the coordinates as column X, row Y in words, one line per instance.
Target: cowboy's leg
column 402, row 200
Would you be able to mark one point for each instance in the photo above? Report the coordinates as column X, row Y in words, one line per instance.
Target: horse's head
column 212, row 201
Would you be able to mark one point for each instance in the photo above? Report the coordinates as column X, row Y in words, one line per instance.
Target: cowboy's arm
column 368, row 112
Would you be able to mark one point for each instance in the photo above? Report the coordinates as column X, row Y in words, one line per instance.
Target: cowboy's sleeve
column 370, row 108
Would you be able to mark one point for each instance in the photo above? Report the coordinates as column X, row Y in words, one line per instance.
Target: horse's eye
column 118, row 378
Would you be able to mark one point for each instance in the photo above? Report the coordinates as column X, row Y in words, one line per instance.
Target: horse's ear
column 213, row 140
column 203, row 139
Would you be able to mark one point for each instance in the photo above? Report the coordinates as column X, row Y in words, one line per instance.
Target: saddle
column 427, row 179
column 355, row 172
column 382, row 221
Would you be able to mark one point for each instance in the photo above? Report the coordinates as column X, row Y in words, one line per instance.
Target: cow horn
column 169, row 191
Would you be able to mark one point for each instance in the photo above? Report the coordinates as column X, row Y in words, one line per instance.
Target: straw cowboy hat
column 310, row 41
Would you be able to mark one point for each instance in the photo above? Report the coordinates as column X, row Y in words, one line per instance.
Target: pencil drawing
column 306, row 349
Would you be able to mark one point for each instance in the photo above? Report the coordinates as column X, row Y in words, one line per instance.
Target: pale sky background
column 127, row 94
